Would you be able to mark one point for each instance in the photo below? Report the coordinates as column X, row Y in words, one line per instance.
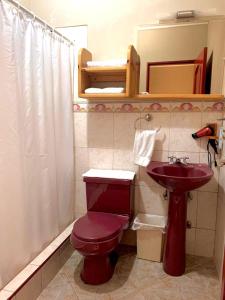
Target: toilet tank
column 110, row 191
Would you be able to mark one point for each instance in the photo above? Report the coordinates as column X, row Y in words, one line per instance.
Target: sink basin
column 178, row 179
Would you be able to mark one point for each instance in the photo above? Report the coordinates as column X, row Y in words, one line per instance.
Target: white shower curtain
column 36, row 139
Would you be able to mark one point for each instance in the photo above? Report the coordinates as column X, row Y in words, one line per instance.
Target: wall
column 25, row 3
column 111, row 24
column 216, row 45
column 104, row 135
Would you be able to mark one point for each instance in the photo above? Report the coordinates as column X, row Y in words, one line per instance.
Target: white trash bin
column 150, row 236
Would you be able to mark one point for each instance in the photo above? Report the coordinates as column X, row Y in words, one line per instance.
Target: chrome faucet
column 178, row 160
column 171, row 159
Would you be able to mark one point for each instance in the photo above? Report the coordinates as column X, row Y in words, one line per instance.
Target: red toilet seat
column 99, row 226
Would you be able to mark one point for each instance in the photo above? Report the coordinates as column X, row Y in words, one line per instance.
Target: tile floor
column 136, row 279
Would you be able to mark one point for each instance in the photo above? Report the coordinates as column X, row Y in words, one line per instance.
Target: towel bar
column 148, row 118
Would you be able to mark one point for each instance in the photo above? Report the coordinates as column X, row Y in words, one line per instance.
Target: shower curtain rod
column 27, row 11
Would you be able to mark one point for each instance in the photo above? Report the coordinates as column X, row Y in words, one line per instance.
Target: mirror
column 182, row 58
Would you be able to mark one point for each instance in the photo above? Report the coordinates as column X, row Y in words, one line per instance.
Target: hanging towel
column 144, row 142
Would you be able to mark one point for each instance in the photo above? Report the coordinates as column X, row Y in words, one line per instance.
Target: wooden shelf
column 105, row 69
column 126, row 76
column 104, row 96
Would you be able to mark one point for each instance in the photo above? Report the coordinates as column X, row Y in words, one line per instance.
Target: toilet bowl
column 97, row 234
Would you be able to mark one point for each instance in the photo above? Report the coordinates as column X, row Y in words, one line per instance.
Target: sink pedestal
column 174, row 250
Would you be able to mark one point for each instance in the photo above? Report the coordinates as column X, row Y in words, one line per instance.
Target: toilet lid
column 99, row 226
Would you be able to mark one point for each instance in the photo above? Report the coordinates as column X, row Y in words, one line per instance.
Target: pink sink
column 178, row 179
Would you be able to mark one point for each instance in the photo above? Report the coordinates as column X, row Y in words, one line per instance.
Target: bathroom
column 42, row 195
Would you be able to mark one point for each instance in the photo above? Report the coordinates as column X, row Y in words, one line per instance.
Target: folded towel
column 107, row 63
column 113, row 90
column 108, row 90
column 144, row 142
column 93, row 91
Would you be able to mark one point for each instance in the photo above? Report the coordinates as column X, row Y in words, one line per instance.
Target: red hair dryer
column 205, row 131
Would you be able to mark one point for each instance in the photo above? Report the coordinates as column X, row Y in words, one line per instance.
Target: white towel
column 93, row 91
column 108, row 90
column 113, row 90
column 144, row 142
column 107, row 63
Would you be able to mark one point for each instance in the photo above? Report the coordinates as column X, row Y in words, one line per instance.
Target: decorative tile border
column 213, row 107
column 138, row 107
column 127, row 108
column 186, row 107
column 156, row 107
column 80, row 107
column 100, row 107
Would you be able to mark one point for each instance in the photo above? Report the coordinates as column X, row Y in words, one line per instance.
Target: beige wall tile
column 220, row 232
column 182, row 126
column 81, row 162
column 100, row 130
column 123, row 160
column 32, row 289
column 150, row 200
column 190, row 241
column 80, row 206
column 80, row 129
column 50, row 268
column 204, row 245
column 145, row 179
column 65, row 252
column 159, row 120
column 212, row 185
column 124, row 130
column 192, row 209
column 100, row 158
column 206, row 213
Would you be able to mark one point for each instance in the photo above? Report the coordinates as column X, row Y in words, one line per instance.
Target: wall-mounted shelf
column 126, row 76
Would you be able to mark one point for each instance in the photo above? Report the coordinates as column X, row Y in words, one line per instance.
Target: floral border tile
column 186, row 107
column 213, row 107
column 155, row 107
column 150, row 107
column 81, row 107
column 127, row 107
column 100, row 107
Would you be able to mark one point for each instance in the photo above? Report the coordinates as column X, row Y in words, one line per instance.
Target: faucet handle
column 171, row 159
column 185, row 158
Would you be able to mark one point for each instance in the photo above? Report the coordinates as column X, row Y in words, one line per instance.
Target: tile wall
column 104, row 135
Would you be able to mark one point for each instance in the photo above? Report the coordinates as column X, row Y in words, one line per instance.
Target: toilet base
column 98, row 269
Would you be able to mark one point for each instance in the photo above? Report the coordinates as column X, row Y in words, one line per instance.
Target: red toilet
column 96, row 235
